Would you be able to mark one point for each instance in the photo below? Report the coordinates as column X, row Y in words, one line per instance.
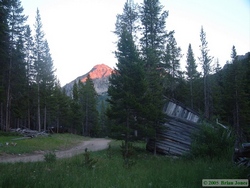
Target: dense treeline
column 148, row 71
column 30, row 95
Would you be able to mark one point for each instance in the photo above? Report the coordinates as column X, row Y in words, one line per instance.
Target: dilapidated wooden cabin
column 175, row 138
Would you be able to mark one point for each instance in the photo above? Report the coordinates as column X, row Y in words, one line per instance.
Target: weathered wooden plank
column 181, row 123
column 181, row 112
column 180, row 129
column 175, row 135
column 174, row 145
column 185, row 131
column 175, row 139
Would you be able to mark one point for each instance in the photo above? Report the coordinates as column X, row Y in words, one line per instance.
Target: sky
column 80, row 32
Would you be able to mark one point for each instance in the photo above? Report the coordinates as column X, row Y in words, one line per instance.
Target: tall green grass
column 148, row 171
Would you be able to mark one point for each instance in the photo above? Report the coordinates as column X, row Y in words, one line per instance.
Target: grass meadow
column 52, row 142
column 108, row 171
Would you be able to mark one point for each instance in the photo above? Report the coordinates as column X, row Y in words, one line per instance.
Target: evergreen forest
column 147, row 73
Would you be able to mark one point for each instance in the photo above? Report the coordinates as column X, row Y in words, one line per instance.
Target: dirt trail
column 92, row 145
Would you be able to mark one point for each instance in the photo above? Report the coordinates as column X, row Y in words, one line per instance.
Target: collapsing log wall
column 175, row 138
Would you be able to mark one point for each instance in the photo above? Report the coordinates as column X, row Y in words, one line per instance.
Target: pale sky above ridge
column 79, row 32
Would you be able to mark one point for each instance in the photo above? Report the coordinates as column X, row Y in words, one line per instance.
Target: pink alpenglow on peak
column 99, row 71
column 99, row 74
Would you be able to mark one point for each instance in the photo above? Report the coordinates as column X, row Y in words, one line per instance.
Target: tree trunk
column 2, row 123
column 127, row 135
column 8, row 100
column 86, row 117
column 237, row 121
column 57, row 124
column 45, row 118
column 28, row 114
column 18, row 122
column 206, row 98
column 38, row 108
column 155, row 144
column 191, row 94
column 237, row 109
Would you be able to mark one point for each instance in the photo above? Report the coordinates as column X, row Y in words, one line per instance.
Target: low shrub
column 88, row 161
column 128, row 154
column 50, row 157
column 211, row 142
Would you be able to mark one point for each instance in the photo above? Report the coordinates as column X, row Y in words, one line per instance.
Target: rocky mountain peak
column 99, row 71
column 99, row 74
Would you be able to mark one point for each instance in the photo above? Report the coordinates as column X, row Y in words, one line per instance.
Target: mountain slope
column 99, row 74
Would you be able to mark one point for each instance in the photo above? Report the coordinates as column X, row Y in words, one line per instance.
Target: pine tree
column 43, row 65
column 154, row 35
column 60, row 108
column 18, row 83
column 126, row 88
column 205, row 60
column 38, row 54
column 103, row 119
column 16, row 22
column 127, row 83
column 172, row 58
column 76, row 110
column 127, row 21
column 233, row 53
column 235, row 96
column 4, row 47
column 216, row 90
column 152, row 45
column 192, row 73
column 88, row 102
column 217, row 66
column 48, row 80
column 30, row 71
column 239, row 95
column 75, row 93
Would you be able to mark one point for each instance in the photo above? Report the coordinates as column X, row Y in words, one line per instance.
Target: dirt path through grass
column 92, row 145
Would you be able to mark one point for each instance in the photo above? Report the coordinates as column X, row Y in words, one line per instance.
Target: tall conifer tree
column 205, row 60
column 88, row 102
column 16, row 22
column 153, row 21
column 172, row 58
column 30, row 71
column 127, row 83
column 127, row 21
column 191, row 72
column 4, row 51
column 43, row 65
column 48, row 80
column 38, row 54
column 76, row 110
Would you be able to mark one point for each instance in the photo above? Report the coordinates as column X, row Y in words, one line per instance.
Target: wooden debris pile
column 241, row 156
column 28, row 133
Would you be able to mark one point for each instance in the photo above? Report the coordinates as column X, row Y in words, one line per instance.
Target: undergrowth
column 109, row 171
